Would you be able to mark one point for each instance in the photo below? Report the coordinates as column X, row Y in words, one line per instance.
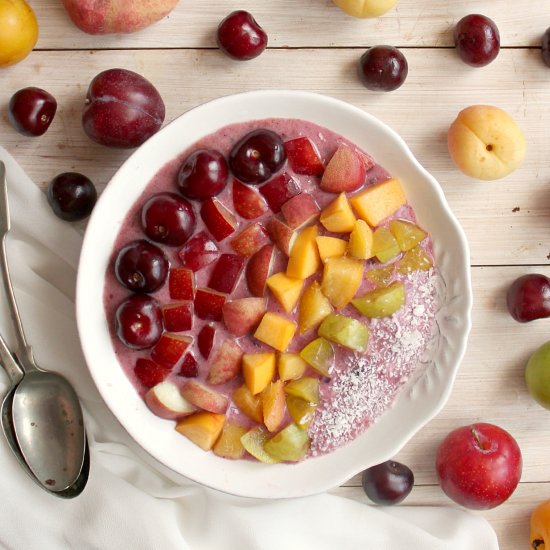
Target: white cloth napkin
column 129, row 503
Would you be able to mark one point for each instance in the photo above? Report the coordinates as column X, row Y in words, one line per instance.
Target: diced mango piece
column 229, row 444
column 360, row 241
column 338, row 216
column 345, row 331
column 304, row 257
column 384, row 245
column 319, row 355
column 313, row 308
column 275, row 331
column 248, row 403
column 290, row 444
column 306, row 388
column 258, row 370
column 286, row 289
column 415, row 259
column 202, row 428
column 381, row 276
column 273, row 404
column 342, row 278
column 407, row 234
column 290, row 366
column 379, row 201
column 300, row 411
column 381, row 302
column 330, row 247
column 253, row 441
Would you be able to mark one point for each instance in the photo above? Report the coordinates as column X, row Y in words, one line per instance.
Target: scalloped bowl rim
column 413, row 408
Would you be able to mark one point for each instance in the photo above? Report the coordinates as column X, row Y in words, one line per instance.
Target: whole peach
column 365, row 8
column 485, row 142
column 117, row 16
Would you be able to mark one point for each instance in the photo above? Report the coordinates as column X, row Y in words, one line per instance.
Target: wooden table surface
column 314, row 46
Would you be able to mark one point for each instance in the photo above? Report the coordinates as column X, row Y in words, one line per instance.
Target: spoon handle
column 23, row 351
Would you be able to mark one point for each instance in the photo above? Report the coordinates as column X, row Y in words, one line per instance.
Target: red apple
column 250, row 240
column 242, row 316
column 166, row 401
column 204, row 397
column 278, row 190
column 226, row 272
column 205, row 340
column 299, row 210
column 345, row 171
column 123, row 109
column 218, row 219
column 479, row 466
column 181, row 283
column 226, row 364
column 282, row 235
column 170, row 349
column 209, row 304
column 178, row 317
column 257, row 269
column 303, row 157
column 198, row 252
column 247, row 202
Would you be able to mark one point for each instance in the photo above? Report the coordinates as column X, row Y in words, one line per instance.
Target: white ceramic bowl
column 417, row 403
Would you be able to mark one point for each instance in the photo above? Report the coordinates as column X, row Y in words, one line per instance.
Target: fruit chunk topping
column 270, row 307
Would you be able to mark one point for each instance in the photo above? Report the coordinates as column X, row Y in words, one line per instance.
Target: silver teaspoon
column 41, row 414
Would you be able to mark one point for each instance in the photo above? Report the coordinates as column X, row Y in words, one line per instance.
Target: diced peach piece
column 275, row 331
column 306, row 388
column 253, row 441
column 226, row 364
column 379, row 201
column 229, row 443
column 338, row 216
column 290, row 366
column 258, row 370
column 314, row 307
column 304, row 257
column 289, row 445
column 415, row 259
column 319, row 355
column 282, row 235
column 299, row 210
column 384, row 245
column 202, row 428
column 286, row 289
column 329, row 247
column 341, row 279
column 360, row 241
column 300, row 411
column 407, row 234
column 273, row 405
column 248, row 403
column 204, row 397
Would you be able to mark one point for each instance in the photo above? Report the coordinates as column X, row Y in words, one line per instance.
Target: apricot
column 365, row 8
column 19, row 31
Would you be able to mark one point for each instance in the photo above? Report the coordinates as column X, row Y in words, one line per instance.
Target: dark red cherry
column 168, row 218
column 257, row 156
column 528, row 298
column 382, row 68
column 72, row 196
column 477, row 40
column 141, row 266
column 240, row 36
column 388, row 483
column 203, row 174
column 31, row 111
column 138, row 322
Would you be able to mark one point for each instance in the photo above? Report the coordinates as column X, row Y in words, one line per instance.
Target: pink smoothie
column 361, row 386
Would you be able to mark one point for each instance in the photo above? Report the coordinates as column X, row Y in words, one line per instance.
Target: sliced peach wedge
column 229, row 443
column 304, row 257
column 258, row 370
column 286, row 289
column 202, row 428
column 342, row 278
column 313, row 308
column 338, row 216
column 275, row 331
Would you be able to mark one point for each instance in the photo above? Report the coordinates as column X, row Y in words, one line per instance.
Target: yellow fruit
column 360, row 241
column 304, row 257
column 365, row 8
column 415, row 259
column 381, row 302
column 381, row 276
column 338, row 216
column 290, row 444
column 290, row 366
column 300, row 411
column 330, row 247
column 18, row 31
column 341, row 279
column 306, row 388
column 275, row 331
column 273, row 403
column 202, row 428
column 258, row 370
column 286, row 289
column 345, row 331
column 253, row 441
column 407, row 234
column 384, row 245
column 229, row 444
column 248, row 403
column 319, row 355
column 379, row 201
column 314, row 307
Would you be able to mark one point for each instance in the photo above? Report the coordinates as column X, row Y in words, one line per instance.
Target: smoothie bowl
column 273, row 294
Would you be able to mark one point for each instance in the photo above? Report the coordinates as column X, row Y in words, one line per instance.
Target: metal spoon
column 41, row 414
